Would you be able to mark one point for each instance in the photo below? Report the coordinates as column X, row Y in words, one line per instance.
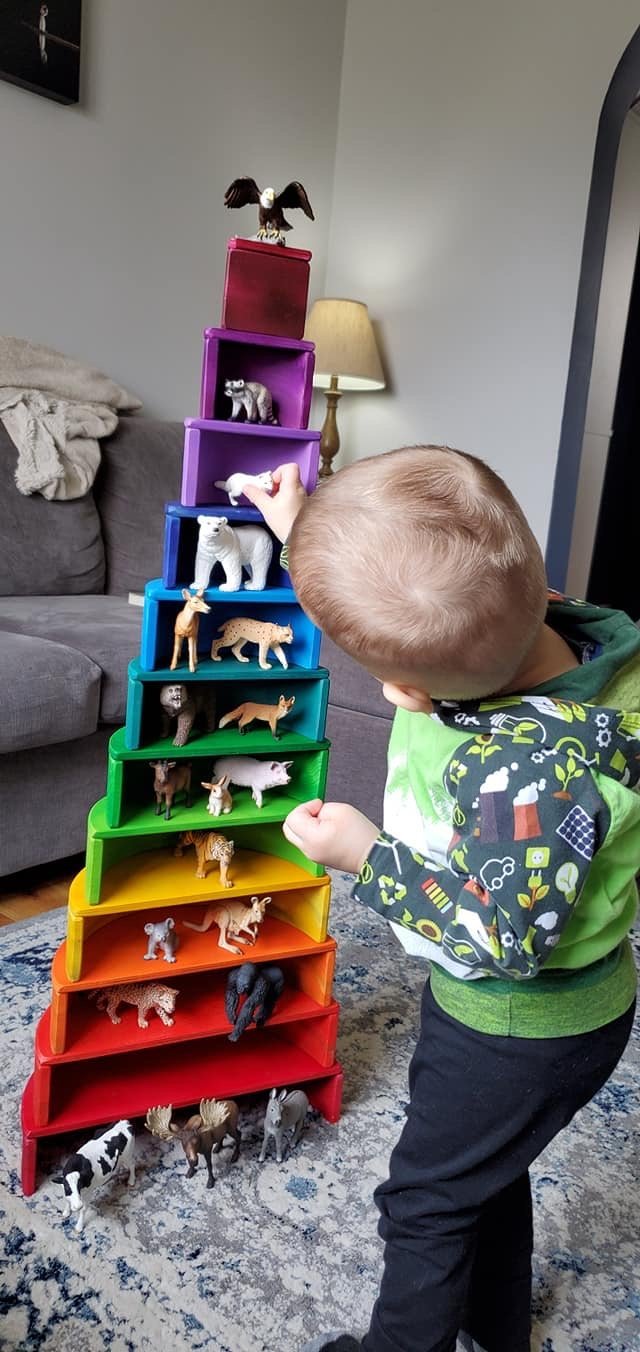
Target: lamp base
column 329, row 436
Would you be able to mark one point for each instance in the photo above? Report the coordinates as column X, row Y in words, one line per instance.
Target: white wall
column 464, row 157
column 113, row 234
column 617, row 278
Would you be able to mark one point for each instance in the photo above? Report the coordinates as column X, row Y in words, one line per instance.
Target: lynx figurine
column 239, row 630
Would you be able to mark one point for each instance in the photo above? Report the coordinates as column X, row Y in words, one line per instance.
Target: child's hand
column 281, row 509
column 333, row 834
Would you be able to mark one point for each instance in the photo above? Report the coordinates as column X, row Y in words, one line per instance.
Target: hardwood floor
column 37, row 889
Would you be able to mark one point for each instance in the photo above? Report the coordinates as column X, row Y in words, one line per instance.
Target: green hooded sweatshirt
column 512, row 840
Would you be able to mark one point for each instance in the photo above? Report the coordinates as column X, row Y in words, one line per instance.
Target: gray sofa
column 67, row 634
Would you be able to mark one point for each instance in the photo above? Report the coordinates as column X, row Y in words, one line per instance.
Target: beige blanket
column 55, row 409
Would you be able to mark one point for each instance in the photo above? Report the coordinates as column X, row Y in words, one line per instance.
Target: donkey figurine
column 284, row 1110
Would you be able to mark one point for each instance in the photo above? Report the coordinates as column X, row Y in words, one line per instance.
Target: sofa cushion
column 104, row 629
column 140, row 470
column 50, row 692
column 48, row 548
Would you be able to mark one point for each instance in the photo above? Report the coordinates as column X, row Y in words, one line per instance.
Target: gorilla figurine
column 261, row 987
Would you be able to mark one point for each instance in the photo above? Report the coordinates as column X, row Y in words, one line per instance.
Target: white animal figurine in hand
column 249, row 773
column 235, row 548
column 234, row 486
column 97, row 1160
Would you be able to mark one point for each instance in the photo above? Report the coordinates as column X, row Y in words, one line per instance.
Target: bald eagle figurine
column 271, row 206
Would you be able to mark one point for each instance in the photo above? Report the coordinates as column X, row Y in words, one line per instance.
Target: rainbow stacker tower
column 89, row 1071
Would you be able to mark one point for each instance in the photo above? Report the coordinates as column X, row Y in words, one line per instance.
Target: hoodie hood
column 576, row 715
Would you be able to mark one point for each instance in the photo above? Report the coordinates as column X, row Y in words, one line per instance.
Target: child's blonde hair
column 420, row 564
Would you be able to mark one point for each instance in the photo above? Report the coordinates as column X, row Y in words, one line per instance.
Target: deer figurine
column 187, row 625
column 202, row 1134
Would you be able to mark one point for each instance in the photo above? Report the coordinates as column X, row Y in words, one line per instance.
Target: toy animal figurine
column 254, row 398
column 240, row 630
column 234, row 548
column 220, row 800
column 179, row 702
column 267, row 713
column 271, row 206
column 249, row 773
column 141, row 994
column 209, row 848
column 261, row 987
column 234, row 486
column 284, row 1111
column 169, row 780
column 83, row 1173
column 235, row 919
column 162, row 934
column 186, row 627
column 201, row 1134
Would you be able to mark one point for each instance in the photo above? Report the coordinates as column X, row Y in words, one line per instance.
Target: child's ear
column 408, row 697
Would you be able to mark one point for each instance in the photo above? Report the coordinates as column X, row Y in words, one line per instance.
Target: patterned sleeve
column 284, row 556
column 523, row 838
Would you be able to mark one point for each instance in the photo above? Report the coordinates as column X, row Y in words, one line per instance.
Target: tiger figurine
column 142, row 994
column 209, row 846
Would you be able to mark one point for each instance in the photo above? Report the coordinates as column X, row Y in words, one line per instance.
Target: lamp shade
column 345, row 345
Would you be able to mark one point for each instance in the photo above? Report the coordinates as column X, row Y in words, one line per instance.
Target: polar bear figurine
column 235, row 548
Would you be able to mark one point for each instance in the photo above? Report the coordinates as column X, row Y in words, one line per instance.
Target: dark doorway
column 614, row 579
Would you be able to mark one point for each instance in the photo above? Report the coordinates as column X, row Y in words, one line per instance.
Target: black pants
column 456, row 1212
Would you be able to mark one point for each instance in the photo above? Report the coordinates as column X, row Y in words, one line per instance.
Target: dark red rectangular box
column 265, row 288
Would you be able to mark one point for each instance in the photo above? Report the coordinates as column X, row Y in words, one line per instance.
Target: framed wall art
column 40, row 46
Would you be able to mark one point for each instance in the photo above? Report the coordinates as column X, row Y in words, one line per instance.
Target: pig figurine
column 249, row 773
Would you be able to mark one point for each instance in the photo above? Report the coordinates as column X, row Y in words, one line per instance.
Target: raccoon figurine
column 254, row 398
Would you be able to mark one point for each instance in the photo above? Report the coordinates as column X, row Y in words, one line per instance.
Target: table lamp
column 346, row 351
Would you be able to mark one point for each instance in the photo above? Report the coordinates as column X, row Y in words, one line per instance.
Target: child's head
column 420, row 565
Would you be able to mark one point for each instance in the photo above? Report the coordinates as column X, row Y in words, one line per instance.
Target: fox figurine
column 266, row 713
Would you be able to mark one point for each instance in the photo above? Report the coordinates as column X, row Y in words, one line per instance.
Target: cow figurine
column 97, row 1160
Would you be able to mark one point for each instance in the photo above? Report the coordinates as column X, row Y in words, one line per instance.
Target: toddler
column 508, row 859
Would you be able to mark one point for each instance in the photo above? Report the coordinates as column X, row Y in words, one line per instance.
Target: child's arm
column 515, row 865
column 499, row 905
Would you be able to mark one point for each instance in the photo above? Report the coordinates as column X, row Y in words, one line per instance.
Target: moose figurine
column 202, row 1134
column 186, row 627
column 170, row 779
column 285, row 1110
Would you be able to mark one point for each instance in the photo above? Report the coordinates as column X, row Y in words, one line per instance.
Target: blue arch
column 621, row 93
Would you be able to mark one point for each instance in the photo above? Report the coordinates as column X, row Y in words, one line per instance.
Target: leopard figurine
column 141, row 994
column 239, row 630
column 209, row 846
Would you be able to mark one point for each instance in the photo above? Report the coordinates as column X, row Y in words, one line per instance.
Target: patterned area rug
column 275, row 1253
